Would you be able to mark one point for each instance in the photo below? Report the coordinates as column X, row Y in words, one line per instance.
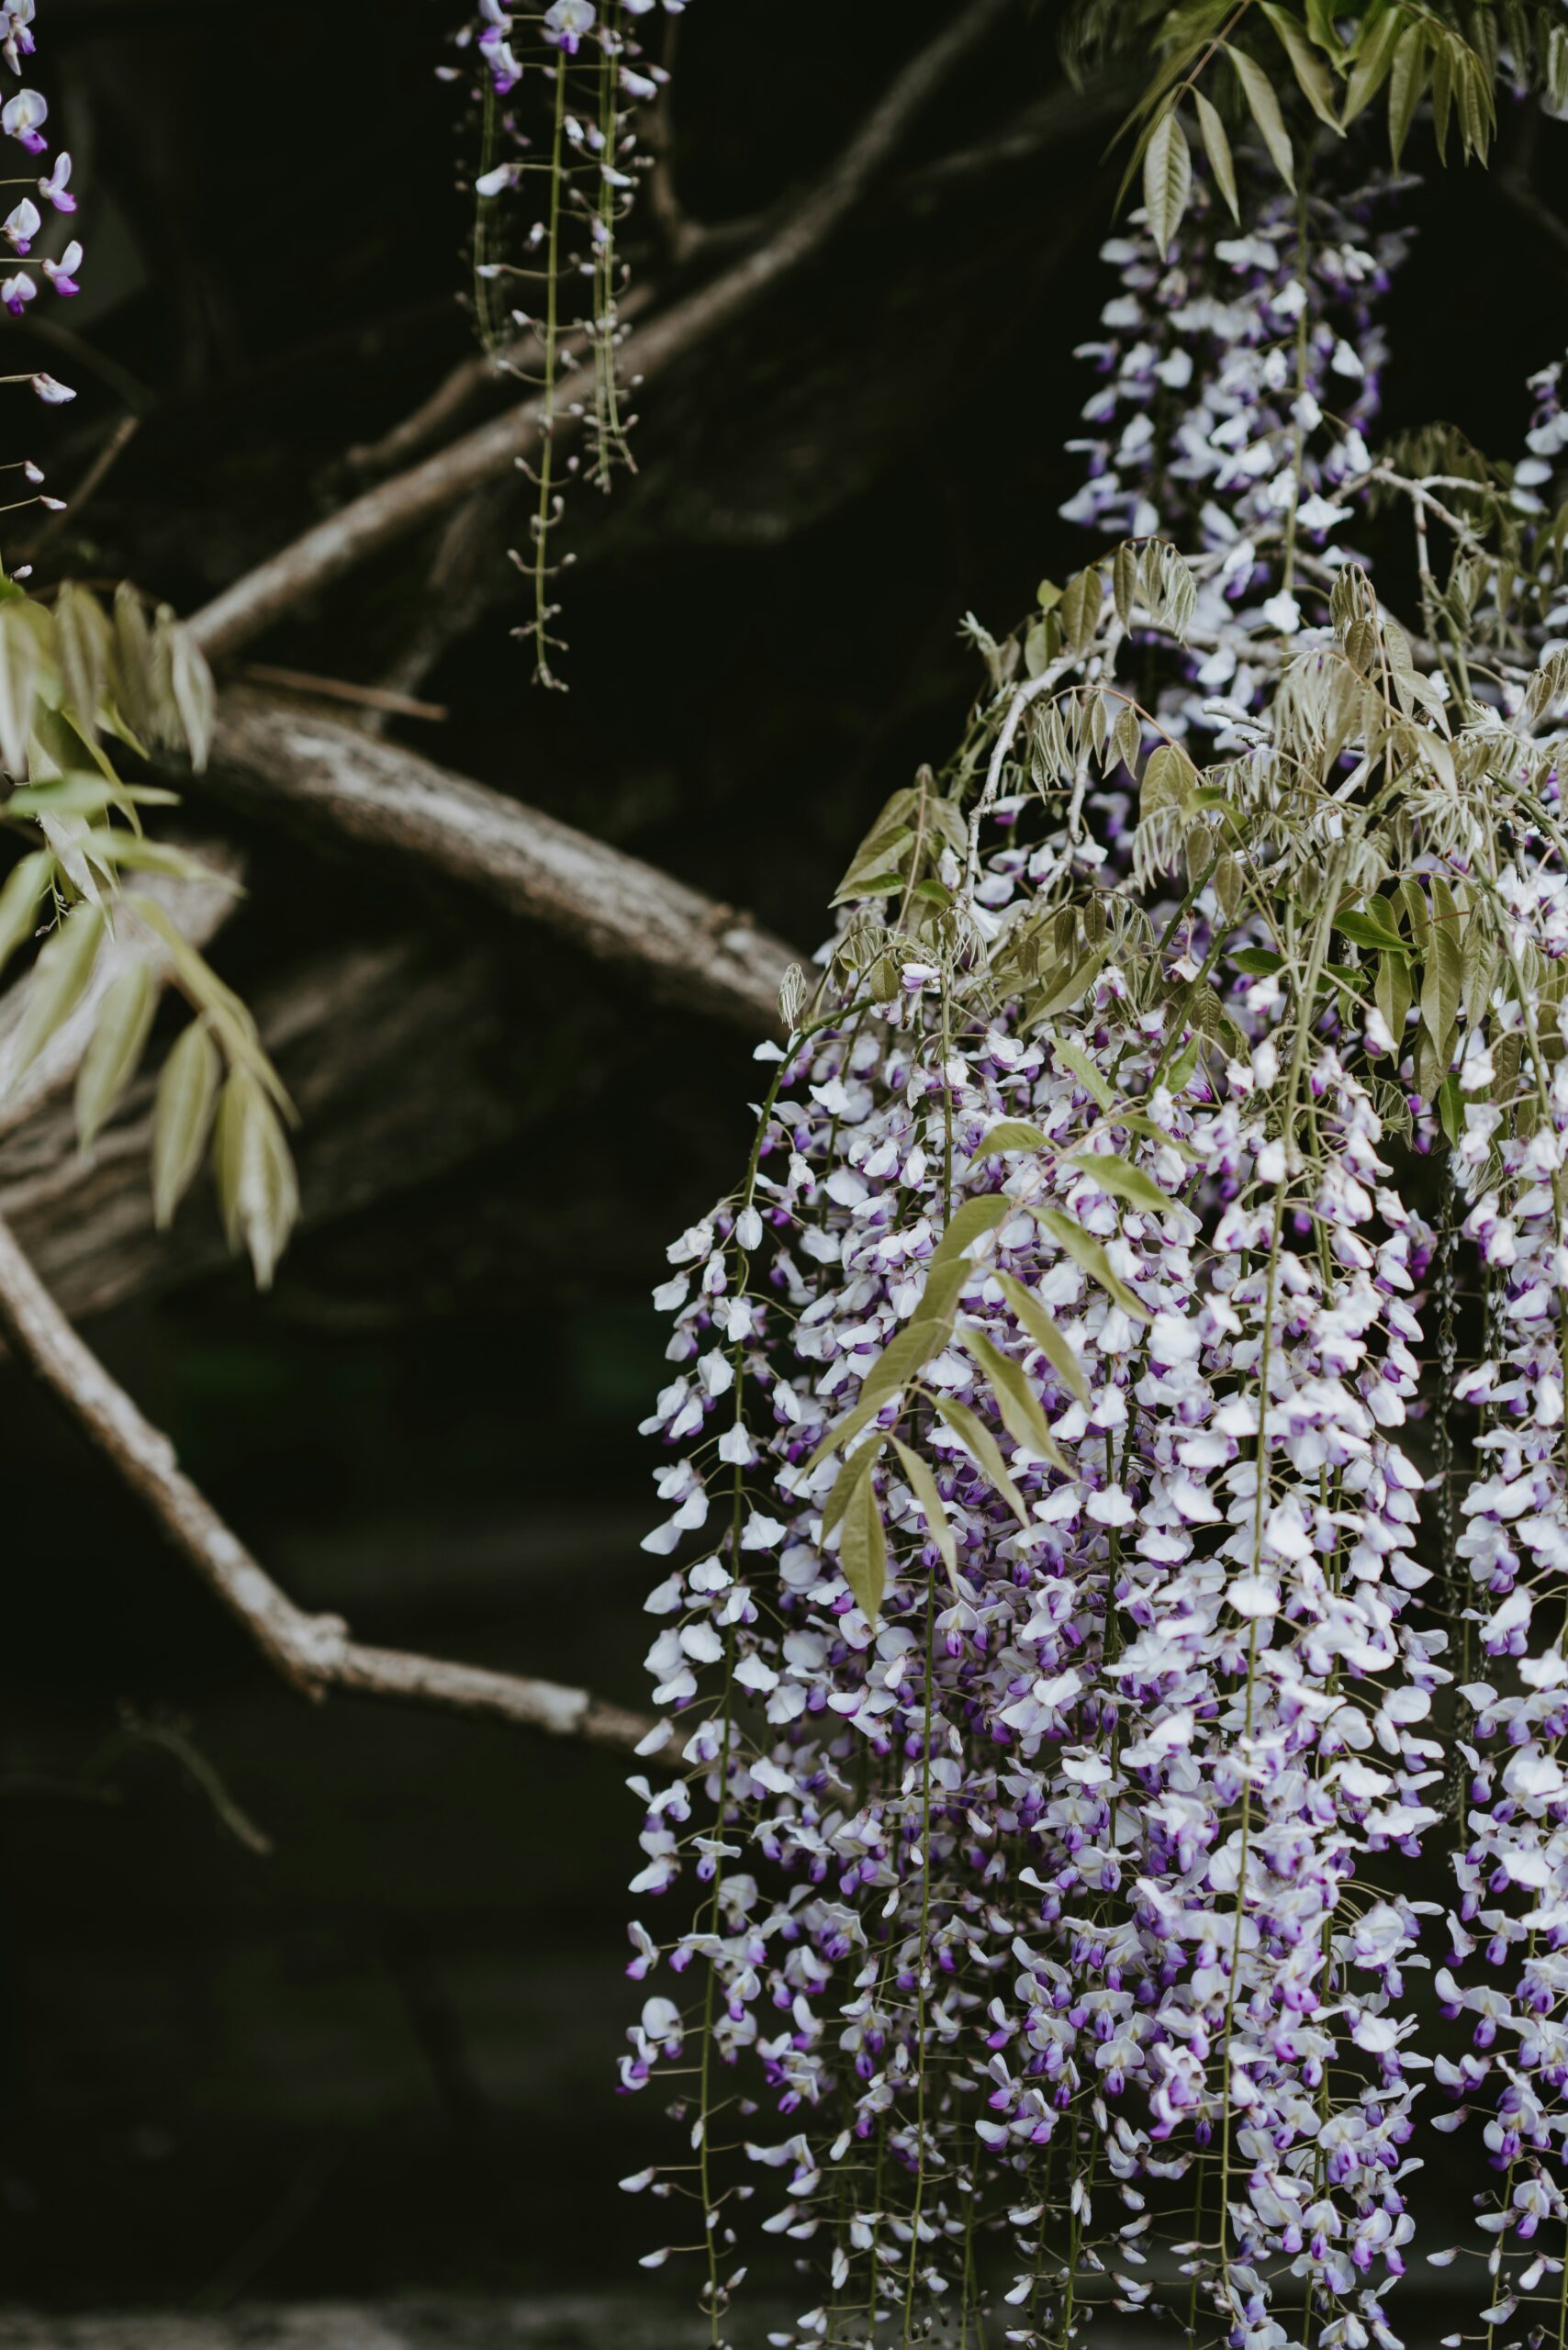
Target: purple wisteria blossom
column 1072, row 1601
column 22, row 117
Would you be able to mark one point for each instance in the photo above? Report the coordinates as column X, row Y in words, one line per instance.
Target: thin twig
column 388, row 512
column 304, row 681
column 313, row 1653
column 467, row 572
column 1516, row 181
column 108, row 456
column 462, row 385
column 173, row 1738
column 683, row 947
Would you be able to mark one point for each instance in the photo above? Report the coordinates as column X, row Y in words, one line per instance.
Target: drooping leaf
column 113, row 1054
column 1169, row 778
column 922, row 1485
column 1371, row 69
column 1123, row 1179
column 1442, row 977
column 1035, row 1319
column 1085, row 1250
column 863, row 1550
column 18, row 688
column 133, row 661
column 1080, row 610
column 1083, row 1068
column 1125, row 576
column 190, row 681
column 1264, row 107
column 1009, row 1134
column 1310, row 71
column 257, row 1189
column 983, row 1449
column 1407, row 79
column 82, row 645
column 1451, row 1108
column 58, row 981
column 1167, row 180
column 1015, row 1400
column 1181, row 1068
column 20, row 899
column 182, row 1116
column 1217, row 147
column 859, row 1466
column 1392, row 994
column 1126, row 738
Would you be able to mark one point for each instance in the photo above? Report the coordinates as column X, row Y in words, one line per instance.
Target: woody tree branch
column 313, row 1653
column 427, row 491
column 689, row 949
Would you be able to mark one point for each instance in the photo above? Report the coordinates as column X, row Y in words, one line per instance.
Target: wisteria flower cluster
column 1090, row 1536
column 1241, row 375
column 558, row 92
column 23, row 116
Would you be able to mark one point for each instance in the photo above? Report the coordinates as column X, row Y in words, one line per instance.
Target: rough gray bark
column 688, row 949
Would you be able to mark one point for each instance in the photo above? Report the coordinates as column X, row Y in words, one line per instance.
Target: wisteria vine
column 1117, row 1421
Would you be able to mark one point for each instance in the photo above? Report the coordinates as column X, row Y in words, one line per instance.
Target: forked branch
column 313, row 1653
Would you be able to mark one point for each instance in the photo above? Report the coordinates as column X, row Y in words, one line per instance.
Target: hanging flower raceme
column 1087, row 1548
column 558, row 92
column 23, row 114
column 1053, row 1676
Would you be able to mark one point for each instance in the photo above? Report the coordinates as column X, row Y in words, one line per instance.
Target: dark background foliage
column 384, row 2054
